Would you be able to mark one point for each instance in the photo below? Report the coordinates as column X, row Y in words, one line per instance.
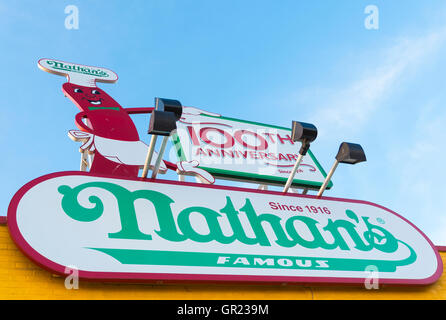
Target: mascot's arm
column 138, row 110
column 80, row 124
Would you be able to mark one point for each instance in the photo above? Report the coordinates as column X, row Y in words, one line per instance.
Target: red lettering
column 200, row 152
column 238, row 135
column 244, row 154
column 204, row 136
column 212, row 152
column 270, row 136
column 253, row 155
column 263, row 155
column 193, row 136
column 229, row 153
column 271, row 156
column 281, row 139
column 282, row 157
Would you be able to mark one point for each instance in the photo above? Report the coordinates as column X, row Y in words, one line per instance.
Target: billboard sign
column 112, row 228
column 244, row 150
column 111, row 224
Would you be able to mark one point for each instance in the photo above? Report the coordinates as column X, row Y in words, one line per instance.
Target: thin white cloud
column 351, row 106
column 413, row 168
column 422, row 173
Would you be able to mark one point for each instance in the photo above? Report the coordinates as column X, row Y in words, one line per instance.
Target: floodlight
column 305, row 133
column 162, row 122
column 162, row 104
column 350, row 153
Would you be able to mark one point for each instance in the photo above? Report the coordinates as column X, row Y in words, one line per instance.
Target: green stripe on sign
column 205, row 259
column 100, row 108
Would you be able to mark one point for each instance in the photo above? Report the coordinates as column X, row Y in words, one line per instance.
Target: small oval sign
column 77, row 73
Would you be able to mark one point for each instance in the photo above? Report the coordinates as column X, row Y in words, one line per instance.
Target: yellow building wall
column 20, row 278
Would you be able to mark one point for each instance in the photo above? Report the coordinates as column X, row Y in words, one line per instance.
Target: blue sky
column 266, row 61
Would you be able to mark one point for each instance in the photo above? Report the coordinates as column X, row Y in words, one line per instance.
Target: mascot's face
column 89, row 98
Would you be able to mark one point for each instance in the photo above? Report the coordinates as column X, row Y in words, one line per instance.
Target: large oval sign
column 112, row 228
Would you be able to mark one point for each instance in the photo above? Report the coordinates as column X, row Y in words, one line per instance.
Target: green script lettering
column 125, row 199
column 376, row 237
column 211, row 217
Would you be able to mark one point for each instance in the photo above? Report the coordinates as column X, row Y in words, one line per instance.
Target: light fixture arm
column 160, row 157
column 327, row 178
column 293, row 173
column 149, row 155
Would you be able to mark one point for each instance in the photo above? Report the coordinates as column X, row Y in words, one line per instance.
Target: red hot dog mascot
column 108, row 131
